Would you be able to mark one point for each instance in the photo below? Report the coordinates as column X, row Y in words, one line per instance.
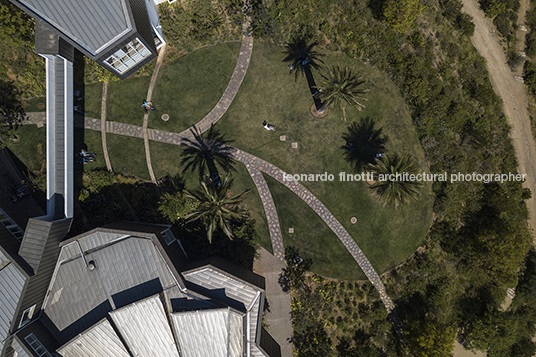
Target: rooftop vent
column 92, row 265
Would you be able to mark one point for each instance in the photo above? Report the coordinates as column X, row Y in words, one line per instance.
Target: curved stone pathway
column 146, row 115
column 270, row 211
column 230, row 92
column 104, row 103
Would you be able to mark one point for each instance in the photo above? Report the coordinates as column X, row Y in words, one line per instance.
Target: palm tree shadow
column 303, row 57
column 207, row 151
column 363, row 143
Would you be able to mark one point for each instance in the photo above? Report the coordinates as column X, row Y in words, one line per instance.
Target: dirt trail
column 514, row 96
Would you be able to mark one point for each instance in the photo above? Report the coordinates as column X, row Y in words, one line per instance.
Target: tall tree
column 216, row 207
column 391, row 186
column 302, row 56
column 205, row 152
column 342, row 86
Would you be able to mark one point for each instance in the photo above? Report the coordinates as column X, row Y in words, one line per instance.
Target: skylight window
column 128, row 56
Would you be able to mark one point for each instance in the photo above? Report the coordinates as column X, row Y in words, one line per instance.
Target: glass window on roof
column 128, row 56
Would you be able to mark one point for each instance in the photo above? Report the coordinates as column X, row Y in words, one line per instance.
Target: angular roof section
column 215, row 282
column 92, row 24
column 100, row 340
column 12, row 283
column 127, row 269
column 145, row 328
column 214, row 333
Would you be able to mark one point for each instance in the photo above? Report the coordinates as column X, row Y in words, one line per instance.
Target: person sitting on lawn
column 268, row 126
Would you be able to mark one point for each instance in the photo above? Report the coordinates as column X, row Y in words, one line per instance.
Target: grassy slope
column 386, row 235
column 311, row 236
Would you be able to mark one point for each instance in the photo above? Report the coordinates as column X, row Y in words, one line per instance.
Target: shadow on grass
column 363, row 143
column 207, row 151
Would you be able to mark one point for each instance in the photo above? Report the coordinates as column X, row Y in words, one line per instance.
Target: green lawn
column 188, row 88
column 93, row 99
column 127, row 155
column 36, row 104
column 311, row 236
column 166, row 161
column 388, row 236
column 31, row 148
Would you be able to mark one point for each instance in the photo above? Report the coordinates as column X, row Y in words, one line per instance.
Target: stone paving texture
column 104, row 103
column 270, row 211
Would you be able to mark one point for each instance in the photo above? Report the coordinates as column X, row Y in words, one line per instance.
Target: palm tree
column 302, row 57
column 207, row 152
column 216, row 207
column 392, row 189
column 340, row 86
column 363, row 143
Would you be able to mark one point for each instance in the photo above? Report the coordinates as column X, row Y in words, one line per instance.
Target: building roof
column 116, row 293
column 127, row 269
column 92, row 24
column 234, row 292
column 99, row 340
column 12, row 281
column 215, row 333
column 145, row 328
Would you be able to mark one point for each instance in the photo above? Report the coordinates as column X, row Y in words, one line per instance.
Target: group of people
column 148, row 106
column 79, row 101
column 85, row 157
column 18, row 192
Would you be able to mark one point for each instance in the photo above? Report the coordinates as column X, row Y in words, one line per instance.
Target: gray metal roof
column 177, row 301
column 100, row 340
column 17, row 347
column 145, row 328
column 11, row 282
column 99, row 239
column 221, row 285
column 93, row 24
column 214, row 333
column 127, row 270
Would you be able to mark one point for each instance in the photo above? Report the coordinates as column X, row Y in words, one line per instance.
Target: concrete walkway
column 278, row 315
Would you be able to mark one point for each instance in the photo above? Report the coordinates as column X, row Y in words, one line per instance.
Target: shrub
column 530, row 44
column 503, row 24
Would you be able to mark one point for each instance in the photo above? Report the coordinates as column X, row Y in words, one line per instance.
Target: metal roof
column 11, row 282
column 177, row 301
column 100, row 340
column 222, row 286
column 127, row 270
column 145, row 328
column 215, row 333
column 17, row 347
column 93, row 24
